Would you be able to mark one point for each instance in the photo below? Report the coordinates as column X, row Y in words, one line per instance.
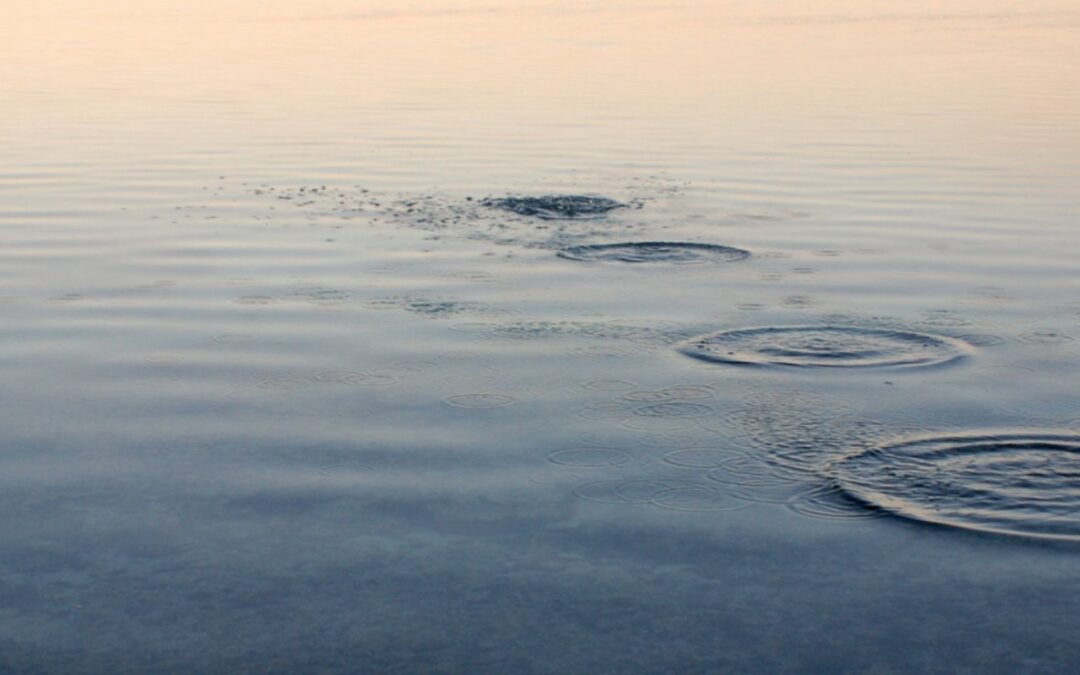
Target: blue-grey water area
column 323, row 349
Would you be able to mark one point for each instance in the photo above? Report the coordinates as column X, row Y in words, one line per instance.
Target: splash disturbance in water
column 1013, row 483
column 556, row 207
column 674, row 253
column 824, row 347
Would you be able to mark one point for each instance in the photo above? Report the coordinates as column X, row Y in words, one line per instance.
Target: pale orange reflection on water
column 972, row 79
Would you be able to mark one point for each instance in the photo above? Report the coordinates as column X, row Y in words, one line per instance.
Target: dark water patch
column 605, row 352
column 234, row 339
column 623, row 491
column 698, row 498
column 321, row 295
column 638, row 334
column 675, row 409
column 554, row 477
column 679, row 392
column 287, row 381
column 830, row 503
column 255, row 300
column 943, row 319
column 1010, row 482
column 590, row 457
column 603, row 410
column 752, row 470
column 1046, row 338
column 608, row 385
column 656, row 423
column 982, row 339
column 556, row 207
column 702, row 458
column 474, row 327
column 481, row 401
column 824, row 347
column 428, row 306
column 655, row 252
column 66, row 298
column 355, row 377
column 797, row 301
column 345, row 469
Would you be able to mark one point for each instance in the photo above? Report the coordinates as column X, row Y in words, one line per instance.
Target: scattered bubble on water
column 553, row 207
column 1011, row 482
column 824, row 346
column 655, row 252
column 322, row 295
column 482, row 401
column 590, row 457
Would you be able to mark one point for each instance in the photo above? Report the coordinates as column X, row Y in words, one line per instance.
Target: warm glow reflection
column 974, row 77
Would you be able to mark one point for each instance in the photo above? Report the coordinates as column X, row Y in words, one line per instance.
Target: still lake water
column 281, row 393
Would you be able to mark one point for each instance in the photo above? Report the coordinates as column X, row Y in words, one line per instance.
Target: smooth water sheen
column 347, row 337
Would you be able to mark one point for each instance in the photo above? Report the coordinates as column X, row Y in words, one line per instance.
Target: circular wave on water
column 824, row 346
column 667, row 252
column 1020, row 483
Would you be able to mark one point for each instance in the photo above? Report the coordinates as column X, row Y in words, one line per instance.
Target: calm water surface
column 283, row 394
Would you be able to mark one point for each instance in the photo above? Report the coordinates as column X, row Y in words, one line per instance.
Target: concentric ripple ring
column 825, row 347
column 1017, row 483
column 667, row 252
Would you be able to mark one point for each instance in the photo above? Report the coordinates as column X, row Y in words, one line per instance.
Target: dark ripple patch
column 1046, row 338
column 696, row 498
column 608, row 385
column 674, row 409
column 617, row 491
column 556, row 207
column 824, row 347
column 590, row 457
column 831, row 503
column 702, row 458
column 480, row 401
column 656, row 252
column 1018, row 483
